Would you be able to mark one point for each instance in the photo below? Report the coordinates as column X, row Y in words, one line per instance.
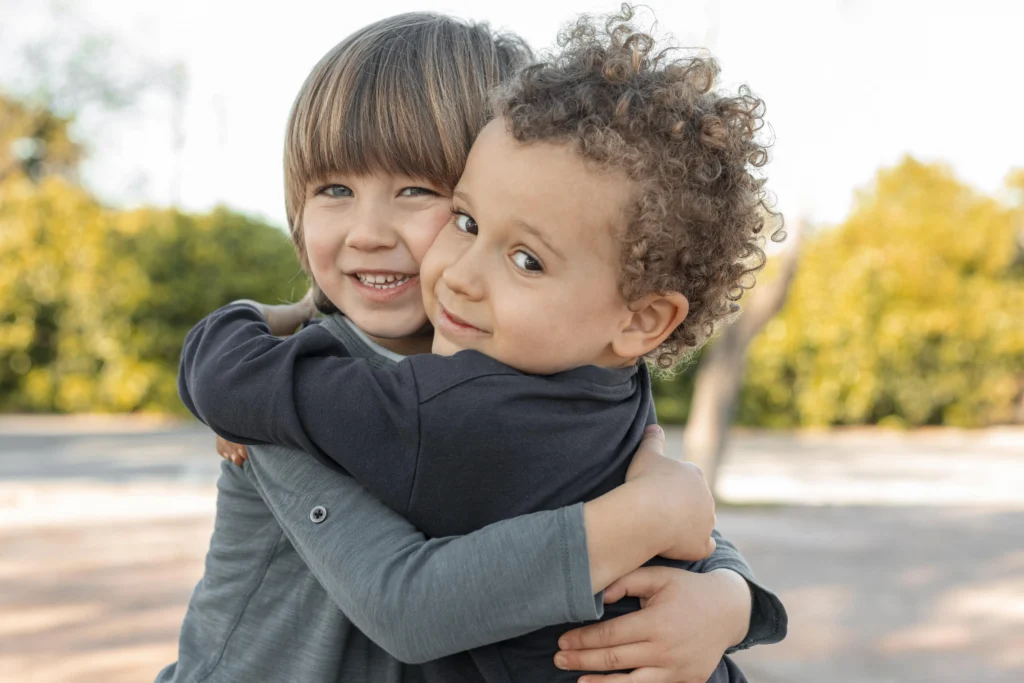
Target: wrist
column 651, row 514
column 624, row 529
column 733, row 593
column 657, row 514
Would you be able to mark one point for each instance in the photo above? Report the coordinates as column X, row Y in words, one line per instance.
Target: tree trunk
column 720, row 373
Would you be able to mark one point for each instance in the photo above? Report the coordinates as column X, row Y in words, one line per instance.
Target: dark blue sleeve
column 305, row 392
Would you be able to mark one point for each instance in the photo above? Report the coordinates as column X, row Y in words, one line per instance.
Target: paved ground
column 900, row 557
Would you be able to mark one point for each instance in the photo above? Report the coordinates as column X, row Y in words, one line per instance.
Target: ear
column 653, row 319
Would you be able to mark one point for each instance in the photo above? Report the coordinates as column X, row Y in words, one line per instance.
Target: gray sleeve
column 420, row 598
column 768, row 619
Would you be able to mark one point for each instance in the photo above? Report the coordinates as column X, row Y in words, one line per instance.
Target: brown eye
column 465, row 223
column 527, row 261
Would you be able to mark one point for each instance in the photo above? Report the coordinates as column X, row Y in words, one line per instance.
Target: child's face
column 365, row 237
column 527, row 271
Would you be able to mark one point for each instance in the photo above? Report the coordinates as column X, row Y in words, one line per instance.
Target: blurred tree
column 720, row 373
column 35, row 142
column 94, row 304
column 909, row 313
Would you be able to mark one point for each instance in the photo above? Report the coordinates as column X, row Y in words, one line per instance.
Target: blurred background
column 862, row 422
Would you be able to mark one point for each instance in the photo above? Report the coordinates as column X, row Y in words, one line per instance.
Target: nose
column 465, row 275
column 373, row 230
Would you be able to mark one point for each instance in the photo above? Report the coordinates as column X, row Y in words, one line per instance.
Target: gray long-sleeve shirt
column 767, row 619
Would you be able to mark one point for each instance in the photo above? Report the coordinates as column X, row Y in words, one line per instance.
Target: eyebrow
column 540, row 235
column 462, row 196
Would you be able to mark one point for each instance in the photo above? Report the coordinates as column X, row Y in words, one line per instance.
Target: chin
column 443, row 347
column 387, row 324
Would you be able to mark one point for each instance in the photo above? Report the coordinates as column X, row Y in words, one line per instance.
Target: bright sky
column 850, row 86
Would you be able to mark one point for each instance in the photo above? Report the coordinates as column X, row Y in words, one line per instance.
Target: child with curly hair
column 610, row 213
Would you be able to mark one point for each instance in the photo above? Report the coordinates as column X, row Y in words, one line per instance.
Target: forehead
column 546, row 184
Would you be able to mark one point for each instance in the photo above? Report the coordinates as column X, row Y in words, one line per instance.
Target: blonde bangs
column 371, row 114
column 406, row 95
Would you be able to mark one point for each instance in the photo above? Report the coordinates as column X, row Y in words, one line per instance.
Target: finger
column 648, row 674
column 640, row 583
column 654, row 437
column 307, row 303
column 629, row 628
column 606, row 659
column 711, row 547
column 614, row 592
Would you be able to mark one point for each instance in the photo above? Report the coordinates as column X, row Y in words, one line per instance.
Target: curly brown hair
column 699, row 207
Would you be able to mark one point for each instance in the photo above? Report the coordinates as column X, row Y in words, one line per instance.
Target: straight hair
column 405, row 95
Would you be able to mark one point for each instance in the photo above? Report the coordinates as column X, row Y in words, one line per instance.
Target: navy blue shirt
column 453, row 443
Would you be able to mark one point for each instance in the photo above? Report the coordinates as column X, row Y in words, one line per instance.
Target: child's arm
column 253, row 334
column 421, row 599
column 251, row 388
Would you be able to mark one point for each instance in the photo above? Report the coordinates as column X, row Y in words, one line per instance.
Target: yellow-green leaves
column 95, row 303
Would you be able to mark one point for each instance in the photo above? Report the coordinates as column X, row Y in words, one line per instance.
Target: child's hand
column 229, row 450
column 284, row 319
column 685, row 624
column 682, row 493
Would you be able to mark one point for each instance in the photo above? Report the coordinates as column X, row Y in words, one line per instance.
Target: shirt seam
column 419, row 442
column 563, row 529
column 274, row 549
column 465, row 380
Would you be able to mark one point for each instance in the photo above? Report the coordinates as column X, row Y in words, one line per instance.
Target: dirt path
column 103, row 533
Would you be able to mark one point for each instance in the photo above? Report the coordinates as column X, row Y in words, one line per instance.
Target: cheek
column 585, row 310
column 441, row 254
column 424, row 230
column 319, row 240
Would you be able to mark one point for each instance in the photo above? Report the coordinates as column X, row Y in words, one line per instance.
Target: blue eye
column 417, row 192
column 465, row 223
column 335, row 191
column 527, row 261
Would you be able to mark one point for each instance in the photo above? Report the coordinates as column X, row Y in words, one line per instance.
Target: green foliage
column 673, row 391
column 94, row 304
column 909, row 313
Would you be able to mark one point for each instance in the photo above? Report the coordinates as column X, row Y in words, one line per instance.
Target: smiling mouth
column 383, row 281
column 455, row 323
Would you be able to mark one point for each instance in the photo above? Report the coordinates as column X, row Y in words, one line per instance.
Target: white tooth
column 389, row 278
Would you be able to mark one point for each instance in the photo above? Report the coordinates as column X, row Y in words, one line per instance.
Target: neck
column 408, row 346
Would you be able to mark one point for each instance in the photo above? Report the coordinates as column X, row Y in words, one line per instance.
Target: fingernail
column 563, row 643
column 652, row 429
column 561, row 662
